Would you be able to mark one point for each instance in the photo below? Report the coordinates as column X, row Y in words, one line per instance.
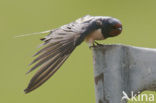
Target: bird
column 60, row 43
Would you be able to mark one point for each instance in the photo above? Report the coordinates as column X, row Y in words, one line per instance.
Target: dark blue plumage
column 60, row 43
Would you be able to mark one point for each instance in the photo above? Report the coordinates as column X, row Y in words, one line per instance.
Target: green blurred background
column 74, row 82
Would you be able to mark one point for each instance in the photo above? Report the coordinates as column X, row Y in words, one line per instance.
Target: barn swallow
column 60, row 43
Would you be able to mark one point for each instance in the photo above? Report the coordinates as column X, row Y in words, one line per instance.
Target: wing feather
column 41, row 79
column 58, row 46
column 50, row 54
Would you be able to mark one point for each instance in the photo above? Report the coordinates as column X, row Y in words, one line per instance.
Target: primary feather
column 58, row 46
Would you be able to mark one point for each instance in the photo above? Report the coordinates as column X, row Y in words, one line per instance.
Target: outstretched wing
column 58, row 46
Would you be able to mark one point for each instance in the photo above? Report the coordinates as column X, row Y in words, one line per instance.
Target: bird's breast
column 96, row 35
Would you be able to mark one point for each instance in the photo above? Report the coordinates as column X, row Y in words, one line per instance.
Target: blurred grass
column 74, row 81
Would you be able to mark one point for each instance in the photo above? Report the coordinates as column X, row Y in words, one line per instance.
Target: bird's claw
column 98, row 44
column 95, row 44
column 92, row 46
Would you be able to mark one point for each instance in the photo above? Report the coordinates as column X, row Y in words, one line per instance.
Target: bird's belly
column 96, row 35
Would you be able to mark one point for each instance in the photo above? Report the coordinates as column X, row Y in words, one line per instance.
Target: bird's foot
column 95, row 44
column 92, row 46
column 98, row 44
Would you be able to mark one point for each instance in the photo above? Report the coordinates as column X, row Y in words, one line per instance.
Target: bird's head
column 111, row 27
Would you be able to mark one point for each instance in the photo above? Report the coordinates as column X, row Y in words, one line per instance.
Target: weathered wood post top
column 122, row 69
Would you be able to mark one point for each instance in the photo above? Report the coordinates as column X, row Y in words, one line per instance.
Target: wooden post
column 121, row 68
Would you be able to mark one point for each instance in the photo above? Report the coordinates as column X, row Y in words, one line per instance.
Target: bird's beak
column 120, row 29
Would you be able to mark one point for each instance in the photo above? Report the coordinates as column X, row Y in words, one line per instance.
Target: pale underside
column 96, row 35
column 59, row 44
